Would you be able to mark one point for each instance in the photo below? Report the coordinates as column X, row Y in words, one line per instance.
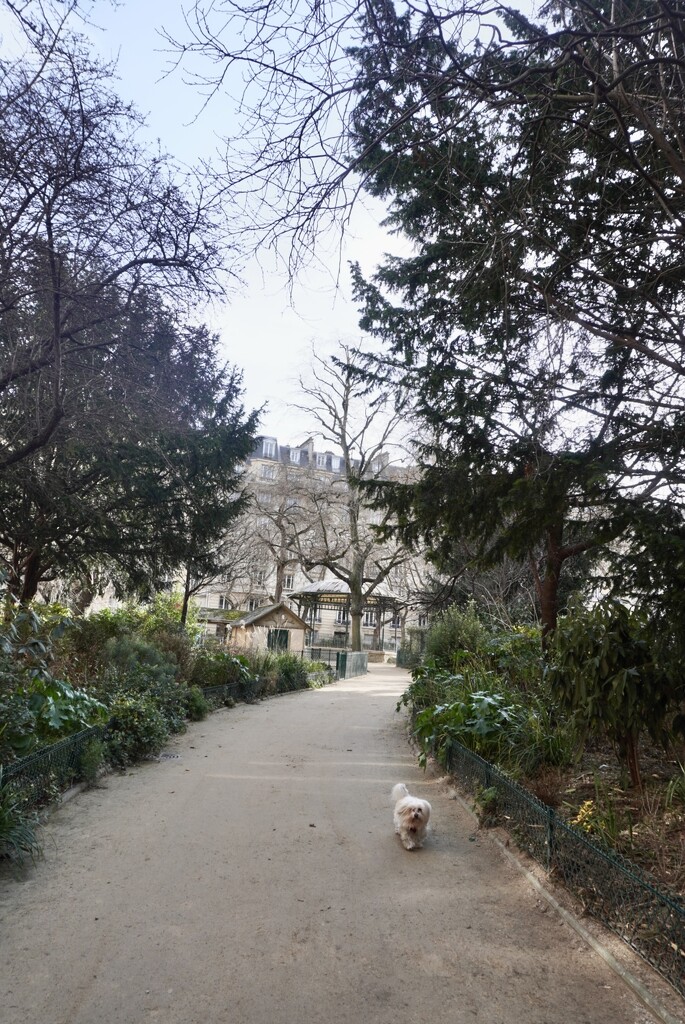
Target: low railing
column 610, row 888
column 42, row 776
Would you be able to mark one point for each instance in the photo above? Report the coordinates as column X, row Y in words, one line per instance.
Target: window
column 335, row 463
column 423, row 620
column 370, row 617
column 320, row 460
column 268, row 448
column 252, row 604
column 269, row 472
column 260, row 577
column 224, row 602
column 289, row 582
column 341, row 616
column 396, row 622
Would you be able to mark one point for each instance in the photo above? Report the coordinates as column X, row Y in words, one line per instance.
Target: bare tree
column 282, row 505
column 347, row 537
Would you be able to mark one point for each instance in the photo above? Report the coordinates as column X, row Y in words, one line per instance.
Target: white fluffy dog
column 411, row 817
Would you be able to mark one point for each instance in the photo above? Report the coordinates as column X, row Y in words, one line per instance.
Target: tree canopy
column 536, row 165
column 121, row 427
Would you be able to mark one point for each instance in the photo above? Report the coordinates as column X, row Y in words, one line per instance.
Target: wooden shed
column 275, row 628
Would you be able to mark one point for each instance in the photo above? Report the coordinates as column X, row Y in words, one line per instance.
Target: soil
column 253, row 874
column 647, row 827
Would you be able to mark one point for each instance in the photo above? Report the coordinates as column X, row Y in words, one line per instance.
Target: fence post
column 550, row 837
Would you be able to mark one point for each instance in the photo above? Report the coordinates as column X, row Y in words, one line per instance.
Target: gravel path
column 255, row 879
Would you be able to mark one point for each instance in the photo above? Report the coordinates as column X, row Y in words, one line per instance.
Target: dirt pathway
column 255, row 879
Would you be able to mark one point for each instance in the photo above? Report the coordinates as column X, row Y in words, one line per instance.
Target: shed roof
column 337, row 592
column 252, row 618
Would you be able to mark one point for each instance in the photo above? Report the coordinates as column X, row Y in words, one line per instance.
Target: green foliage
column 487, row 806
column 35, row 706
column 291, row 673
column 318, row 674
column 520, row 732
column 138, row 667
column 161, row 624
column 59, row 709
column 132, row 658
column 600, row 819
column 413, row 647
column 219, row 668
column 92, row 761
column 602, row 669
column 675, row 791
column 136, row 729
column 18, row 830
column 196, row 705
column 456, row 631
column 17, row 737
column 85, row 642
column 517, row 656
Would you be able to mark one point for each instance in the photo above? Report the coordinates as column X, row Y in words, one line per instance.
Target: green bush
column 455, row 632
column 520, row 732
column 136, row 729
column 18, row 830
column 197, row 707
column 318, row 674
column 17, row 727
column 517, row 656
column 218, row 668
column 163, row 614
column 291, row 673
column 84, row 643
column 42, row 711
column 92, row 761
column 602, row 668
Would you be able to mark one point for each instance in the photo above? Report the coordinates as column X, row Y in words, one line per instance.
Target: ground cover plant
column 559, row 726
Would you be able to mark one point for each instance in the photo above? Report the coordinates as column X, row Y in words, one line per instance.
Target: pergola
column 335, row 594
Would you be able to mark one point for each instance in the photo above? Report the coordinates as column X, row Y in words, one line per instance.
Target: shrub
column 602, row 669
column 130, row 656
column 522, row 733
column 197, row 707
column 17, row 732
column 291, row 673
column 136, row 729
column 92, row 761
column 163, row 614
column 18, row 830
column 318, row 674
column 42, row 711
column 218, row 668
column 517, row 656
column 455, row 632
column 85, row 641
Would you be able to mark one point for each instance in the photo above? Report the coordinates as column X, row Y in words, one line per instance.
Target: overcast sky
column 269, row 337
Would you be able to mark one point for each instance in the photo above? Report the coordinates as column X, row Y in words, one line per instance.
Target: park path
column 254, row 878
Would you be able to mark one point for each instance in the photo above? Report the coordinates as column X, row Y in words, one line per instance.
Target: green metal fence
column 42, row 776
column 247, row 691
column 610, row 888
column 351, row 663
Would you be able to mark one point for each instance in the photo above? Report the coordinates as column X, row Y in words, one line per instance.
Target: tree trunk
column 633, row 759
column 186, row 597
column 32, row 570
column 547, row 586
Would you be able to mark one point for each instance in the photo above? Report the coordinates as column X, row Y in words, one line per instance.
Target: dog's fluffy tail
column 399, row 791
